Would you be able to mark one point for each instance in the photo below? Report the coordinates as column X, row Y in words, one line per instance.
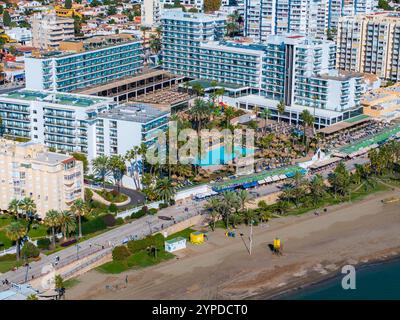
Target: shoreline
column 318, row 282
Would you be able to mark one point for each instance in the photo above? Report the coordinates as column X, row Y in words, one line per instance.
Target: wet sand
column 315, row 247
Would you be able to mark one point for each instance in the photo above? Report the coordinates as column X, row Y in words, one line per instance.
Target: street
column 136, row 229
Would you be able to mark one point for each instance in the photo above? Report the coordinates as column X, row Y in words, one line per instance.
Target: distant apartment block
column 52, row 180
column 48, row 30
column 295, row 69
column 84, row 63
column 370, row 44
column 152, row 10
column 307, row 17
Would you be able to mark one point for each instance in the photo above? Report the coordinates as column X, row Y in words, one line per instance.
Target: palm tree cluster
column 230, row 207
column 114, row 165
column 66, row 220
column 21, row 210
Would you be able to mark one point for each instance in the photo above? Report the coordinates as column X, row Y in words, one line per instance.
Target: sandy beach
column 315, row 247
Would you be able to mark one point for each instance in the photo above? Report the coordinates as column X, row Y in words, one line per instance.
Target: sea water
column 379, row 281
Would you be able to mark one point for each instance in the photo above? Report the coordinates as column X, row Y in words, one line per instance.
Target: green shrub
column 138, row 214
column 88, row 194
column 109, row 220
column 138, row 245
column 119, row 221
column 43, row 243
column 93, row 225
column 153, row 211
column 162, row 205
column 120, row 253
column 29, row 250
column 112, row 207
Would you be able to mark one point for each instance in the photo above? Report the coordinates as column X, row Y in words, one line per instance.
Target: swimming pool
column 218, row 155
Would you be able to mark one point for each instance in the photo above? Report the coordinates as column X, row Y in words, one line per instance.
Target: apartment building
column 370, row 44
column 294, row 68
column 52, row 180
column 83, row 63
column 48, row 30
column 61, row 121
column 307, row 17
column 152, row 10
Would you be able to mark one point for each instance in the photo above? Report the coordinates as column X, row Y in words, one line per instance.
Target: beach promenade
column 314, row 247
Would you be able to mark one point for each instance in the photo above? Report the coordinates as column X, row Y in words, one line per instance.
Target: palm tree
column 230, row 203
column 28, row 206
column 165, row 190
column 67, row 222
column 116, row 165
column 281, row 109
column 52, row 220
column 244, row 197
column 101, row 168
column 14, row 208
column 265, row 113
column 80, row 209
column 199, row 111
column 229, row 113
column 16, row 231
column 317, row 188
column 198, row 89
column 214, row 207
column 308, row 120
column 132, row 157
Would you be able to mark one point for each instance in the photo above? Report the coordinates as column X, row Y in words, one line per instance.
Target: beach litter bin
column 197, row 237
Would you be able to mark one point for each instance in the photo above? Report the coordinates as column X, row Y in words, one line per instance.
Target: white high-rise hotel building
column 309, row 17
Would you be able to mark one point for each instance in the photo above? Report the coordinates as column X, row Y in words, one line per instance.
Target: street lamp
column 251, row 236
column 149, row 223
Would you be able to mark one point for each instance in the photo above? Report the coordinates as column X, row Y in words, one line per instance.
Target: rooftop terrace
column 57, row 98
column 88, row 44
column 137, row 112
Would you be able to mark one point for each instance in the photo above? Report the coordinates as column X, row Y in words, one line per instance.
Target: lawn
column 8, row 265
column 68, row 284
column 139, row 259
column 5, row 241
column 142, row 259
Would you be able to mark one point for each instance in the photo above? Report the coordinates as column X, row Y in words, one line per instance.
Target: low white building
column 21, row 35
column 175, row 244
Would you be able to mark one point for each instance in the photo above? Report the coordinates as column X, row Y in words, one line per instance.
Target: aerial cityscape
column 199, row 150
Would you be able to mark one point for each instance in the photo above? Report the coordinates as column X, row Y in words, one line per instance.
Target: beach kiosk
column 175, row 244
column 197, row 237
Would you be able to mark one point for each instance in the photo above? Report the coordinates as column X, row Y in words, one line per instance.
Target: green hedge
column 138, row 245
column 43, row 243
column 120, row 253
column 93, row 225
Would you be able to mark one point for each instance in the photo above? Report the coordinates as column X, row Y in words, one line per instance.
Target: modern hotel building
column 295, row 69
column 85, row 63
column 79, row 123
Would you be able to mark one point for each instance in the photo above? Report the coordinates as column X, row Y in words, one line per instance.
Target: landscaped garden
column 112, row 196
column 141, row 253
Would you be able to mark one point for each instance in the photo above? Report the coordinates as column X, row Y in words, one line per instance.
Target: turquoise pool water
column 218, row 155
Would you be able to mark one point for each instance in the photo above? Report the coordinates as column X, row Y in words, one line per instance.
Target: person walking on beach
column 126, row 279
